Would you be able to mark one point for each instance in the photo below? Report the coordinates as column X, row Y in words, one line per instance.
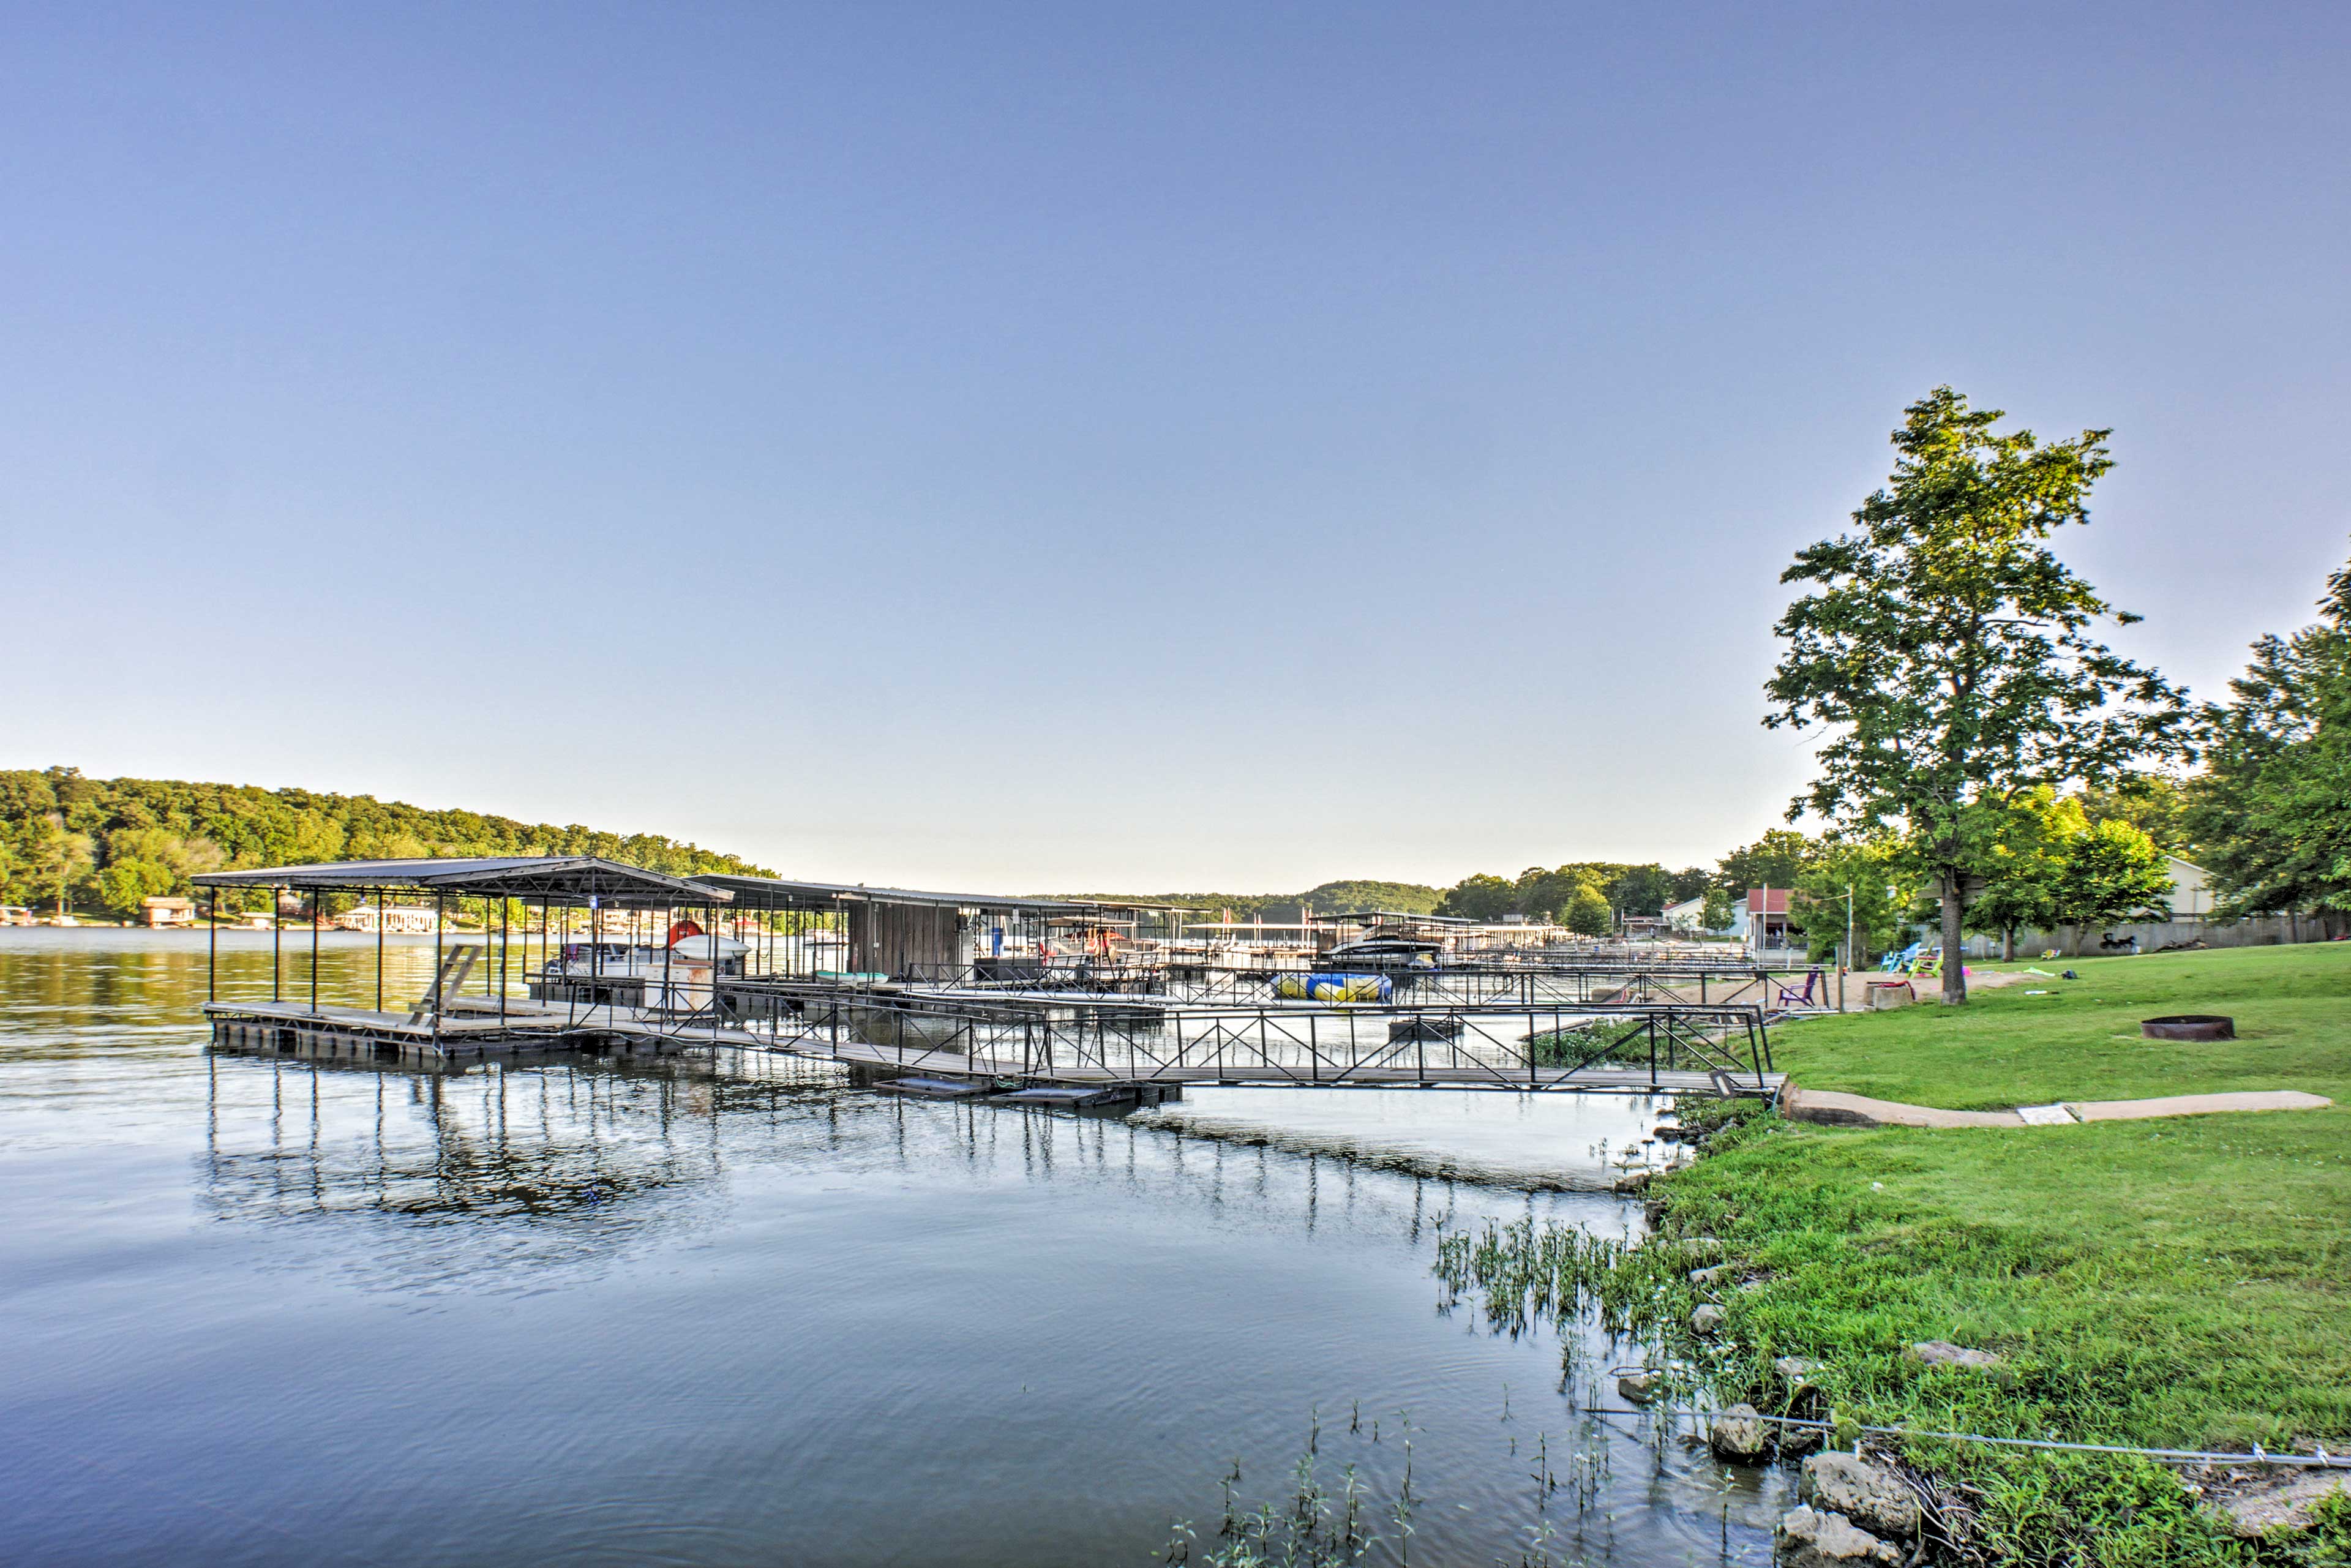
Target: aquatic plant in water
column 1526, row 1276
column 1312, row 1525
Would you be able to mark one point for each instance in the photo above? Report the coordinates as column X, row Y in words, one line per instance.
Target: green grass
column 2082, row 1041
column 2174, row 1283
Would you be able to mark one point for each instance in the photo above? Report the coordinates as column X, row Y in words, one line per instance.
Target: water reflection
column 503, row 1172
column 495, row 1173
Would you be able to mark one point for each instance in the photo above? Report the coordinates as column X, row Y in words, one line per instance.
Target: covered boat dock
column 450, row 1019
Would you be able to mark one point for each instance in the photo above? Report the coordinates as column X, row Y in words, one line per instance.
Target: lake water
column 259, row 1311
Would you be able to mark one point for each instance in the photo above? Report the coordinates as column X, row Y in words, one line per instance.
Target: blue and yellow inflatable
column 1333, row 987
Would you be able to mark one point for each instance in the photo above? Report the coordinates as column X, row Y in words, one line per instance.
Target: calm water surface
column 260, row 1311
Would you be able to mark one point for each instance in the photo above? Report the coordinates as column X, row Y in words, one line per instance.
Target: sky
column 1108, row 447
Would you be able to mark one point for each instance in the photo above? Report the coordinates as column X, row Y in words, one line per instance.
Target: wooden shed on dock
column 912, row 935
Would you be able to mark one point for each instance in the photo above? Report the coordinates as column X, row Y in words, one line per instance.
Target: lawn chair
column 1899, row 963
column 1790, row 997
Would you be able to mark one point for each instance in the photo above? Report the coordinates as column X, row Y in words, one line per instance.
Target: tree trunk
column 1955, row 975
column 2007, row 944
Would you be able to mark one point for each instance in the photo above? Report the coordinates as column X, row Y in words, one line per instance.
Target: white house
column 2191, row 890
column 1689, row 914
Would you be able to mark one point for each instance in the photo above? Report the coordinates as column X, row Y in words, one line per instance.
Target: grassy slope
column 2174, row 1283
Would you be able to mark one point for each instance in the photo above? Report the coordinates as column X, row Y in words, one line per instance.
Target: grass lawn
column 2081, row 1041
column 2174, row 1283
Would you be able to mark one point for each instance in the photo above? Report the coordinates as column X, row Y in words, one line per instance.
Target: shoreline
column 2154, row 1285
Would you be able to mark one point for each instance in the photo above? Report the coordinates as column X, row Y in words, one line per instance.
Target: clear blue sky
column 1107, row 446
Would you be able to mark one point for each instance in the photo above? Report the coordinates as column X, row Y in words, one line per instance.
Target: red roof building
column 1767, row 917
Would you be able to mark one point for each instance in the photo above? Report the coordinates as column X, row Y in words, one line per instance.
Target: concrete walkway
column 1834, row 1109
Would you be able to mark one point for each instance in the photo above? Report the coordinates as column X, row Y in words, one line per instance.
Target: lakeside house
column 2191, row 889
column 1689, row 914
column 168, row 911
column 1763, row 918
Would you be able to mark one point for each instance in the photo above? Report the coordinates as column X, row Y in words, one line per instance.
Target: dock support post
column 505, row 910
column 379, row 949
column 315, row 896
column 276, row 950
column 212, row 952
column 439, row 908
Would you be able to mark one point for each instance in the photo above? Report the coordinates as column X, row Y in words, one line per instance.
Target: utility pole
column 1849, row 949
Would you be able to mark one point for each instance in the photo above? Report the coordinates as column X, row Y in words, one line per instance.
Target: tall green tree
column 2021, row 866
column 2272, row 811
column 125, row 884
column 1587, row 912
column 2153, row 803
column 2055, row 865
column 1775, row 860
column 1642, row 890
column 1869, row 882
column 57, row 859
column 1948, row 653
column 1480, row 897
column 2109, row 871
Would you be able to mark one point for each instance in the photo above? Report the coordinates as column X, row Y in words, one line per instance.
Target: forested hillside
column 109, row 842
column 1329, row 898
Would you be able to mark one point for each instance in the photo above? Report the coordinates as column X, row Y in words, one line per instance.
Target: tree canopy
column 2055, row 864
column 1339, row 897
column 1948, row 655
column 1776, row 860
column 2273, row 808
column 1545, row 893
column 1586, row 911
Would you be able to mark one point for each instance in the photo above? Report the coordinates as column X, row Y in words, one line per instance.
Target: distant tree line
column 1328, row 898
column 2077, row 860
column 67, row 840
column 1587, row 896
